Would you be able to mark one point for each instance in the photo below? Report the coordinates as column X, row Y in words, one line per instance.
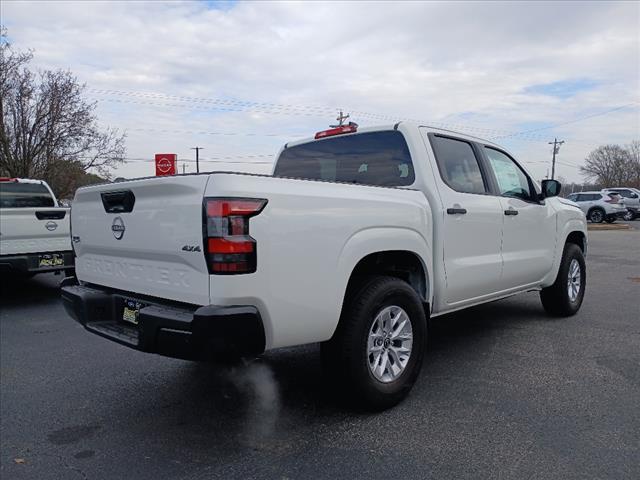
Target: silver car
column 630, row 199
column 599, row 206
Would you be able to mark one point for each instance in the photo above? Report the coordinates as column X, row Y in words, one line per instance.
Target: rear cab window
column 372, row 158
column 25, row 195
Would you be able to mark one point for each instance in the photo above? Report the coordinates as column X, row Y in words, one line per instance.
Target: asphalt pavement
column 506, row 392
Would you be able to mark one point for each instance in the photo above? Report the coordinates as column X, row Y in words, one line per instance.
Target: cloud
column 489, row 67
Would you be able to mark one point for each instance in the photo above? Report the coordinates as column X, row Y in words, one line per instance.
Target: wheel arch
column 402, row 264
column 400, row 252
column 579, row 238
column 574, row 232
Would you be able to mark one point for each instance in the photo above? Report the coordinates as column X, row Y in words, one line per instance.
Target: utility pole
column 556, row 148
column 183, row 167
column 197, row 149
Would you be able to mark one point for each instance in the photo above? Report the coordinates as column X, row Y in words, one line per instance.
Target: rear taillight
column 611, row 200
column 229, row 249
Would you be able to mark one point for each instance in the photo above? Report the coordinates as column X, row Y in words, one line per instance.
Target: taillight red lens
column 228, row 245
column 229, row 248
column 225, row 207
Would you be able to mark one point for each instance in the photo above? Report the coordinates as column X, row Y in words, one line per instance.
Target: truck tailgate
column 34, row 230
column 143, row 236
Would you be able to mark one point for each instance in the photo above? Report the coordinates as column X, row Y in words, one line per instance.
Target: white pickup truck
column 34, row 229
column 356, row 240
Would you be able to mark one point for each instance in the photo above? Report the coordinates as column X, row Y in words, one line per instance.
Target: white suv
column 630, row 199
column 599, row 206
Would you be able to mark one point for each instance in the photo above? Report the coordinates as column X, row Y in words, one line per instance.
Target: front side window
column 374, row 158
column 24, row 195
column 512, row 181
column 458, row 165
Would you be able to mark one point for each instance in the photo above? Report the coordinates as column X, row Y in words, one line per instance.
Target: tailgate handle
column 118, row 202
column 51, row 215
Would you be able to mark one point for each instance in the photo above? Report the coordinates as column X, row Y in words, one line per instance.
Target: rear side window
column 458, row 165
column 375, row 158
column 588, row 197
column 16, row 195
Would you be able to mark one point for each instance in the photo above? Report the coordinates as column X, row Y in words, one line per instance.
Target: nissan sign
column 166, row 164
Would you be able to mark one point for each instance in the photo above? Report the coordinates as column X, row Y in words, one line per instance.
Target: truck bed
column 306, row 226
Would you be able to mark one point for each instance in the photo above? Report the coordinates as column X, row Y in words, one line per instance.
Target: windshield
column 16, row 195
column 375, row 158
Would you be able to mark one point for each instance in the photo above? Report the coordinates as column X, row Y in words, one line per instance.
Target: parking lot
column 506, row 392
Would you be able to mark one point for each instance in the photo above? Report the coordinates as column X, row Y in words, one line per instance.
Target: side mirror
column 550, row 188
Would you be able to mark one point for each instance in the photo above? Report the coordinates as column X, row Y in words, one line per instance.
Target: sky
column 242, row 78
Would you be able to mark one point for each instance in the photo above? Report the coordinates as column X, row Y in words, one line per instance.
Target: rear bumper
column 617, row 214
column 29, row 262
column 172, row 330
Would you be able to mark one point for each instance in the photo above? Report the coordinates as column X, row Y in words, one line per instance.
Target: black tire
column 555, row 299
column 596, row 215
column 628, row 216
column 346, row 357
column 610, row 219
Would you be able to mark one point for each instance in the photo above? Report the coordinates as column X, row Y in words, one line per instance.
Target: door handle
column 511, row 211
column 456, row 211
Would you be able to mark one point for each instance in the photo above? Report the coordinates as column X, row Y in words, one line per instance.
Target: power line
column 315, row 111
column 202, row 132
column 576, row 120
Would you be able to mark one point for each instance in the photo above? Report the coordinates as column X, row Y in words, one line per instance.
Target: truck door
column 472, row 222
column 529, row 231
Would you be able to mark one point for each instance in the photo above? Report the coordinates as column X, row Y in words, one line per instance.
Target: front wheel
column 376, row 352
column 564, row 297
column 628, row 216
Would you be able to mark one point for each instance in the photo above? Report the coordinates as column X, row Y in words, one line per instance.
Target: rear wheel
column 596, row 215
column 376, row 353
column 628, row 216
column 565, row 296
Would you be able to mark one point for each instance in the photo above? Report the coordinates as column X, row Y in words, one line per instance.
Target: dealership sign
column 166, row 164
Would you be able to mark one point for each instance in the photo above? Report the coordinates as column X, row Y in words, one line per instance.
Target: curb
column 608, row 226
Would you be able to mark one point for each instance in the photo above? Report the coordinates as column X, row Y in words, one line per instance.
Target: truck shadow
column 261, row 405
column 40, row 289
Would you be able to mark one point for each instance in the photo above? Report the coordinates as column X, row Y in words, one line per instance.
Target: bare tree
column 46, row 124
column 634, row 156
column 609, row 165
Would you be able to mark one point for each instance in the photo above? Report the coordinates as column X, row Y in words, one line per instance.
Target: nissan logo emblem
column 117, row 227
column 51, row 226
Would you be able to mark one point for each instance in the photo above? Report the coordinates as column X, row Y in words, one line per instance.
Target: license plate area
column 48, row 260
column 131, row 311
